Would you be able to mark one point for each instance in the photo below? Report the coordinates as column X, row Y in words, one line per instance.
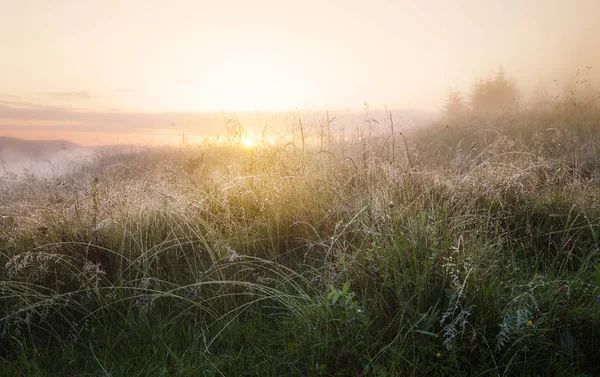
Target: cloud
column 186, row 81
column 6, row 105
column 111, row 121
column 21, row 106
column 127, row 90
column 70, row 95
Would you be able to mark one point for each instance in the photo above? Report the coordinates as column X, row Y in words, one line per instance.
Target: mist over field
column 272, row 188
column 148, row 129
column 86, row 73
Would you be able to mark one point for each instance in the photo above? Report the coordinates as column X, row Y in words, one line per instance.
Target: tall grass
column 470, row 249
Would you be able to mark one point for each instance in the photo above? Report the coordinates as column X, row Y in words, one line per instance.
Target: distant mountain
column 38, row 155
column 39, row 149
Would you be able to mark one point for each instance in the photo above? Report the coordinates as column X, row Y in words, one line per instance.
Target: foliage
column 494, row 95
column 464, row 250
column 455, row 108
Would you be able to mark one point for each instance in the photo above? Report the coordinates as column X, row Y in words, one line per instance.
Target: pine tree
column 495, row 95
column 455, row 108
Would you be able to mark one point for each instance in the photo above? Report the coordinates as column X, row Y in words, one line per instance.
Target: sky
column 180, row 56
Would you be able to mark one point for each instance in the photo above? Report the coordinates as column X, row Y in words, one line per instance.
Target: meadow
column 467, row 248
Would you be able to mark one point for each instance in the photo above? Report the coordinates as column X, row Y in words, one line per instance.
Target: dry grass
column 467, row 249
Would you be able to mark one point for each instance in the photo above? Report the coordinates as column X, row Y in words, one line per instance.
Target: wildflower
column 530, row 323
column 439, row 355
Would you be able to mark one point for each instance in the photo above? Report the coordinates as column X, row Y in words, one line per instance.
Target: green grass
column 469, row 250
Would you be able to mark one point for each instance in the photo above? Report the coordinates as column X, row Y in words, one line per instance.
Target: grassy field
column 468, row 249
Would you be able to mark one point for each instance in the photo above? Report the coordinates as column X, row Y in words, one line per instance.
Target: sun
column 248, row 141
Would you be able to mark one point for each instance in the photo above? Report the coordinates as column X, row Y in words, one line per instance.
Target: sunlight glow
column 259, row 82
column 248, row 141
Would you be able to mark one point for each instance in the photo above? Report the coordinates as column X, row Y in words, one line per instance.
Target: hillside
column 49, row 157
column 463, row 249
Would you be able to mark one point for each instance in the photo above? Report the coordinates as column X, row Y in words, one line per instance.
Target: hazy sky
column 178, row 55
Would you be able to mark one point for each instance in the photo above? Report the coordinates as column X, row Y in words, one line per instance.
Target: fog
column 139, row 72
